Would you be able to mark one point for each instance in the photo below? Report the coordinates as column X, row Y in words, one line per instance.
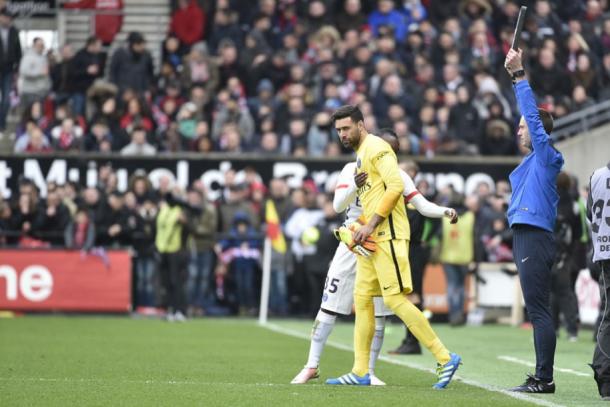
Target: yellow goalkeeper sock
column 364, row 329
column 418, row 325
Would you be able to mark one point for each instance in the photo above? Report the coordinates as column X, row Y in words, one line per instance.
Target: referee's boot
column 409, row 346
column 535, row 385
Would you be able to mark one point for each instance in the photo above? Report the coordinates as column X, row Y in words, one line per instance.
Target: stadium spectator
column 188, row 23
column 113, row 229
column 108, row 22
column 61, row 85
column 80, row 231
column 99, row 138
column 52, row 219
column 240, row 251
column 86, row 66
column 170, row 242
column 10, row 57
column 203, row 228
column 138, row 145
column 145, row 264
column 199, row 68
column 67, row 135
column 351, row 17
column 457, row 254
column 387, row 20
column 547, row 75
column 34, row 73
column 131, row 66
column 33, row 141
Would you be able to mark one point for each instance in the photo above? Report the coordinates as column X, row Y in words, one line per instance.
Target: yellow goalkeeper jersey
column 382, row 193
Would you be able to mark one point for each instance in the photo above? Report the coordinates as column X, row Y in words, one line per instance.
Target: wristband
column 517, row 74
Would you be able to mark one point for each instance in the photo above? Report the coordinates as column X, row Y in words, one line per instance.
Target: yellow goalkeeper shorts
column 386, row 272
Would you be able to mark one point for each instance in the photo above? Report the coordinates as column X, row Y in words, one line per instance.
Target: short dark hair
column 386, row 131
column 547, row 120
column 353, row 112
column 91, row 40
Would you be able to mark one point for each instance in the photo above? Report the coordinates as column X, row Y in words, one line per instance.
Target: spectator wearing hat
column 132, row 66
column 498, row 134
column 10, row 56
column 199, row 68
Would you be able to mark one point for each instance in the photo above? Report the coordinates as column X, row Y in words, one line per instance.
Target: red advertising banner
column 62, row 280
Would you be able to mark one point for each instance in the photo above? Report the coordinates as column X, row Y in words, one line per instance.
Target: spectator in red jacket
column 108, row 23
column 188, row 23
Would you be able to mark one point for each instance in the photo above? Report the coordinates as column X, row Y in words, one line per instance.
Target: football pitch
column 120, row 361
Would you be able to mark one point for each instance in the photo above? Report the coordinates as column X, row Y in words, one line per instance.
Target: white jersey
column 347, row 200
column 345, row 194
column 599, row 207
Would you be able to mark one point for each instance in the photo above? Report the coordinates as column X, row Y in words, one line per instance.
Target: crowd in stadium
column 266, row 79
column 219, row 243
column 238, row 78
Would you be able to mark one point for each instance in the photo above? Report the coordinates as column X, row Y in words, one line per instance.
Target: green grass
column 103, row 361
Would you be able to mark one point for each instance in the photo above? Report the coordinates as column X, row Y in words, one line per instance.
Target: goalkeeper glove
column 346, row 235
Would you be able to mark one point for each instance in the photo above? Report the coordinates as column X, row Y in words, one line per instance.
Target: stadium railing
column 582, row 121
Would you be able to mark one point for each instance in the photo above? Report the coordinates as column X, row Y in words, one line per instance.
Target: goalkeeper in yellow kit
column 386, row 271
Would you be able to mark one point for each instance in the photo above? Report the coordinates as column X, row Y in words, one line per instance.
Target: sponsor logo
column 366, row 187
column 34, row 284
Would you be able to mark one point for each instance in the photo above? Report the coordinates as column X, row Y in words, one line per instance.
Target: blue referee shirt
column 534, row 197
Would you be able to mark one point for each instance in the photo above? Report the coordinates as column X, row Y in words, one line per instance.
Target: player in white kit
column 338, row 295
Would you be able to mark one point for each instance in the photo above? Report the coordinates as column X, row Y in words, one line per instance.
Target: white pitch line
column 153, row 382
column 530, row 364
column 341, row 346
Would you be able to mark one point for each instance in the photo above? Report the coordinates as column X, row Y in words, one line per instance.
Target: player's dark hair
column 353, row 112
column 547, row 120
column 386, row 131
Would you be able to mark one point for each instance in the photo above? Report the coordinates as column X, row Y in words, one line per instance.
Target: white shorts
column 338, row 295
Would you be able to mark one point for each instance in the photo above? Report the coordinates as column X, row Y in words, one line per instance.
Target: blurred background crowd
column 264, row 76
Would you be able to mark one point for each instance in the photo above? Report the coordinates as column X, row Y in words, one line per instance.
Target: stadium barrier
column 64, row 280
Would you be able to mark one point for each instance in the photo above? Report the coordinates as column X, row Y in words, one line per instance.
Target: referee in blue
column 531, row 215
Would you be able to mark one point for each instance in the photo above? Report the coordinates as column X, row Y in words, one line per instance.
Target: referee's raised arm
column 538, row 121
